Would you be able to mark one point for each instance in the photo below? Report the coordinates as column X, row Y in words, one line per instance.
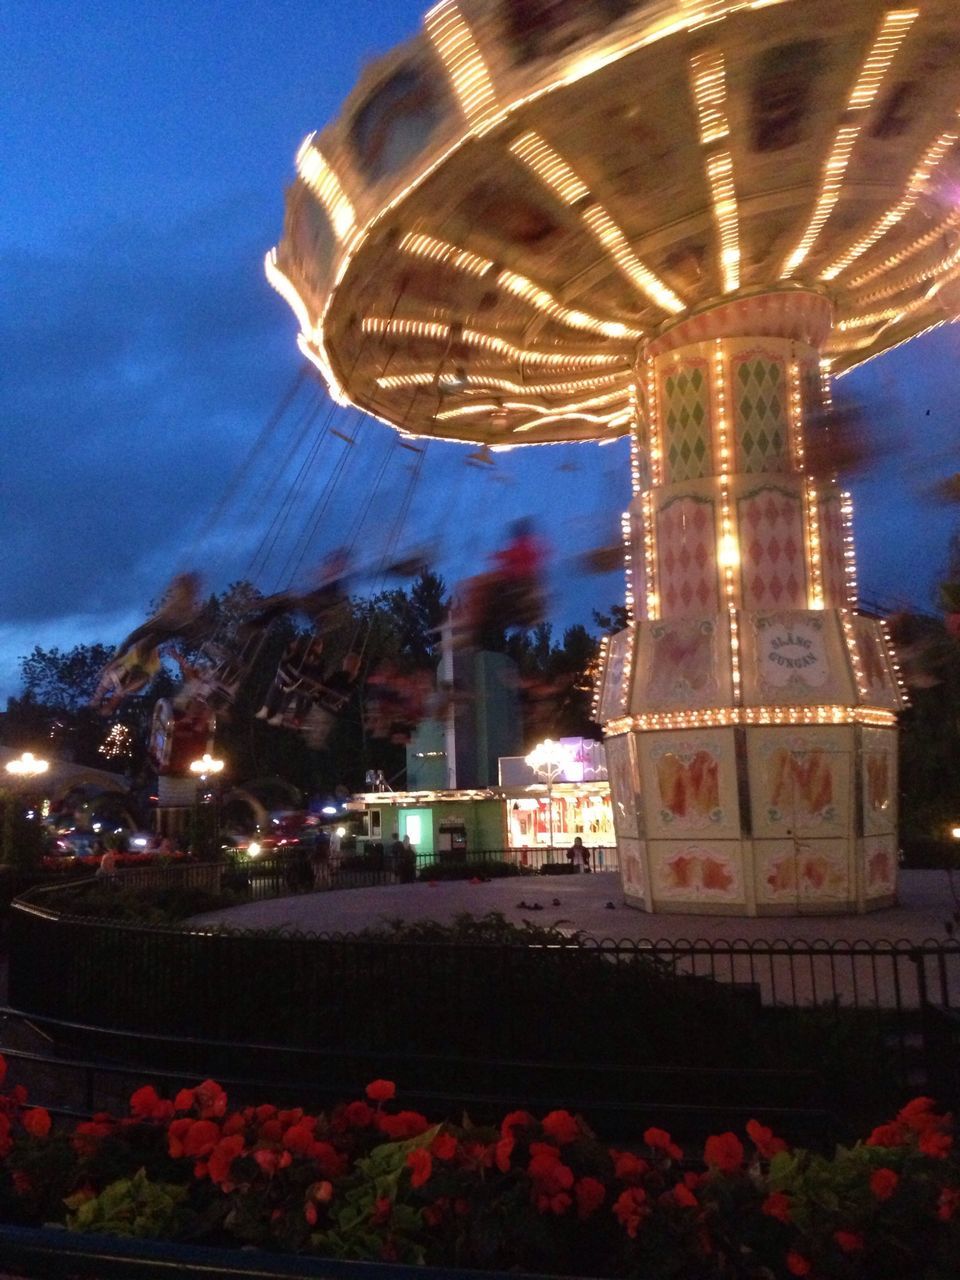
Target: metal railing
column 879, row 1016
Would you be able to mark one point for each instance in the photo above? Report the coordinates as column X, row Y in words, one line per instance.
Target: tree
column 63, row 681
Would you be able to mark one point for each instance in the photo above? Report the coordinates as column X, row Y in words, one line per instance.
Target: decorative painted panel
column 875, row 666
column 616, row 680
column 795, row 657
column 832, row 559
column 759, row 389
column 810, row 873
column 878, row 780
column 879, row 866
column 633, row 876
column 701, row 872
column 772, row 562
column 690, row 783
column 687, row 544
column 800, row 781
column 680, row 664
column 685, row 422
column 395, row 122
column 624, row 778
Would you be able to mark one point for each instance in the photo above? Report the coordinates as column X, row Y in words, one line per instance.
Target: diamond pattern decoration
column 686, row 534
column 771, row 540
column 685, row 398
column 760, row 391
column 831, row 553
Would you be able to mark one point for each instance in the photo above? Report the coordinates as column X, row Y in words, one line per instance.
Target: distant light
column 341, row 832
column 141, row 842
column 329, row 809
column 253, row 849
column 955, row 832
column 27, row 765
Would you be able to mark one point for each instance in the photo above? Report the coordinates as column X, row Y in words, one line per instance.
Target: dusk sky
column 143, row 160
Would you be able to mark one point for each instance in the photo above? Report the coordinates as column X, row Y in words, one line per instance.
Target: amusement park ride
column 546, row 221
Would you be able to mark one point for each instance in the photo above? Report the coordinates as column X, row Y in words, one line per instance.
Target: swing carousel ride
column 545, row 221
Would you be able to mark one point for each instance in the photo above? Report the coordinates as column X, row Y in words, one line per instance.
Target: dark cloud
column 137, row 366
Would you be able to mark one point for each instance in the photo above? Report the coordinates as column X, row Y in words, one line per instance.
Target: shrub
column 469, row 870
column 368, row 1181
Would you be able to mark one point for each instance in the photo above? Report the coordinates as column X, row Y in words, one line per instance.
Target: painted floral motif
column 689, row 788
column 880, row 871
column 694, row 873
column 681, row 660
column 800, row 786
column 808, row 874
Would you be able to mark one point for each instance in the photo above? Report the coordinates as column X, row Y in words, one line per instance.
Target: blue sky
column 143, row 158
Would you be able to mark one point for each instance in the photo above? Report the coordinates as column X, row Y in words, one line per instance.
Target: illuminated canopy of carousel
column 563, row 220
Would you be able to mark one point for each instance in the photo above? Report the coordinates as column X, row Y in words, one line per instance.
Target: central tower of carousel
column 547, row 221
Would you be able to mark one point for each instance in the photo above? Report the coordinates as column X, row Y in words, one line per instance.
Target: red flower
column 630, row 1209
column 589, row 1194
column 949, row 1203
column 269, row 1161
column 627, row 1165
column 222, row 1158
column 299, row 1138
column 764, row 1140
column 405, row 1124
column 310, row 1213
column 210, row 1099
column 37, row 1122
column 515, row 1120
column 561, row 1127
column 660, row 1140
column 201, row 1138
column 321, row 1192
column 551, row 1180
column 683, row 1196
column 87, row 1136
column 359, row 1114
column 183, row 1100
column 381, row 1211
column 916, row 1110
column 883, row 1183
column 935, row 1144
column 444, row 1146
column 146, row 1104
column 381, row 1090
column 849, row 1241
column 797, row 1264
column 777, row 1205
column 887, row 1135
column 724, row 1152
column 420, row 1164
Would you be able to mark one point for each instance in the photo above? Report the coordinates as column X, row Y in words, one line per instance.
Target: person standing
column 408, row 861
column 577, row 856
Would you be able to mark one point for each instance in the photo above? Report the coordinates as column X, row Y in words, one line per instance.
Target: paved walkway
column 733, row 948
column 583, row 902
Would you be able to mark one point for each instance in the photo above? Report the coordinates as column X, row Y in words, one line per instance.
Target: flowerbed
column 368, row 1181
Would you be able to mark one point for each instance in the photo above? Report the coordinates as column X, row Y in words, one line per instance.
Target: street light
column 27, row 765
column 207, row 766
column 548, row 759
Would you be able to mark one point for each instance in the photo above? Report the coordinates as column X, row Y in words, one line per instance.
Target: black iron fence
column 693, row 1030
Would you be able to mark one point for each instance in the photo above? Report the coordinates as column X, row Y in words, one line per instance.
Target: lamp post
column 27, row 766
column 548, row 759
column 23, row 771
column 206, row 767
